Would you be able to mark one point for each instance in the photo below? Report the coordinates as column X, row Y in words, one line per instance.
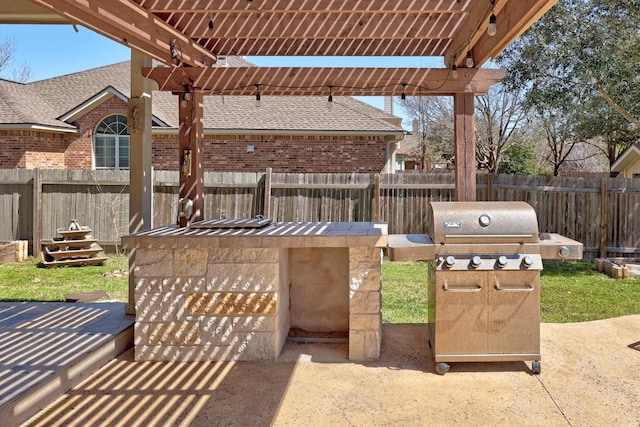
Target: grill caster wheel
column 442, row 368
column 535, row 367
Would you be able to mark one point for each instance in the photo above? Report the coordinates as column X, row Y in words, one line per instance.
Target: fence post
column 604, row 195
column 489, row 187
column 266, row 210
column 375, row 202
column 37, row 207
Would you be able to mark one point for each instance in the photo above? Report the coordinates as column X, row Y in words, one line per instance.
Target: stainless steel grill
column 485, row 260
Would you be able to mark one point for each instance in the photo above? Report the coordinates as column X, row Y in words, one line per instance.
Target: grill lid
column 483, row 222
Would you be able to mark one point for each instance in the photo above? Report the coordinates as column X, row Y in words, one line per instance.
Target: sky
column 55, row 50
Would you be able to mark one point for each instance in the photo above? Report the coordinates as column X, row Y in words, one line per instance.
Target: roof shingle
column 45, row 101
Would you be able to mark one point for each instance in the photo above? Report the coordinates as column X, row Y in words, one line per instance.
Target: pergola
column 188, row 36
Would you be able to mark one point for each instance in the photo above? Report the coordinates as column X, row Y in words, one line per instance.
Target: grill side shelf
column 410, row 247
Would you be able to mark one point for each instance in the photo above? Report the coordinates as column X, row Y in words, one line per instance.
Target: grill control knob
column 502, row 261
column 449, row 261
column 564, row 252
column 476, row 261
column 484, row 220
column 527, row 261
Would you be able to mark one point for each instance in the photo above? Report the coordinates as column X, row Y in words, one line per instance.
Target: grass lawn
column 571, row 292
column 576, row 292
column 27, row 281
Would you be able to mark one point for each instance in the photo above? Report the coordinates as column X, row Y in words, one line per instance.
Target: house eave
column 36, row 127
column 626, row 159
column 92, row 103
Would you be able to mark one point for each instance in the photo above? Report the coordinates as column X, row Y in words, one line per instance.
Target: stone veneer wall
column 210, row 303
column 223, row 294
column 365, row 300
column 198, row 303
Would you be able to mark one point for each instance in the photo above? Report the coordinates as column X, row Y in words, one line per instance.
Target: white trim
column 626, row 158
column 41, row 128
column 98, row 99
column 92, row 103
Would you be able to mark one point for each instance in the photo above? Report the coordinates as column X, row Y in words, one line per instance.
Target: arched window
column 111, row 143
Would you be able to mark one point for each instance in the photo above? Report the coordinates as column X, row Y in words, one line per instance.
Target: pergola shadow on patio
column 590, row 379
column 47, row 348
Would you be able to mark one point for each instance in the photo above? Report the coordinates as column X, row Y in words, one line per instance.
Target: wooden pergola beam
column 316, row 81
column 520, row 15
column 133, row 26
column 467, row 34
column 513, row 19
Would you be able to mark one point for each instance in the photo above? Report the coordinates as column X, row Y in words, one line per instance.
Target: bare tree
column 16, row 72
column 434, row 116
column 558, row 135
column 499, row 115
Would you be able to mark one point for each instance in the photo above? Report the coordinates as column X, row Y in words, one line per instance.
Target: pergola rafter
column 203, row 29
column 129, row 24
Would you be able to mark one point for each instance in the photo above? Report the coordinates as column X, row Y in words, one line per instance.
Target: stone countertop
column 277, row 234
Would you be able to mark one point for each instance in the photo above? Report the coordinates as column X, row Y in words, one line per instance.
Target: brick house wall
column 79, row 154
column 282, row 153
column 29, row 149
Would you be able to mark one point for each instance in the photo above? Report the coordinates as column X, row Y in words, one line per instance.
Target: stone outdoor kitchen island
column 234, row 294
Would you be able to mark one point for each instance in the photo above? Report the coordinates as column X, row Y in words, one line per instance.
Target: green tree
column 582, row 58
column 518, row 160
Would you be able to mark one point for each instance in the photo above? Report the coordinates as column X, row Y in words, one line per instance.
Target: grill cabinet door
column 461, row 312
column 514, row 312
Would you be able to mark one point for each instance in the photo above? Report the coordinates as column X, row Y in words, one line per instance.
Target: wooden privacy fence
column 602, row 213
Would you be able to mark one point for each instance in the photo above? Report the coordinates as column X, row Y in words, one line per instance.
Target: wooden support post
column 375, row 203
column 190, row 137
column 140, row 153
column 141, row 141
column 37, row 212
column 266, row 209
column 604, row 202
column 490, row 178
column 464, row 128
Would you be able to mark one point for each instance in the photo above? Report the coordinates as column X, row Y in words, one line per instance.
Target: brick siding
column 312, row 154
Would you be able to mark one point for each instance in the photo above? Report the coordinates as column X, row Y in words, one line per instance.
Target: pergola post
column 190, row 135
column 465, row 140
column 140, row 153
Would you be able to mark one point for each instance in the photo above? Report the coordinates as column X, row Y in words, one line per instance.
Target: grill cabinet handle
column 527, row 289
column 478, row 288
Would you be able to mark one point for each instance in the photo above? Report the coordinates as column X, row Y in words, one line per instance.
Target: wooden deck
column 47, row 348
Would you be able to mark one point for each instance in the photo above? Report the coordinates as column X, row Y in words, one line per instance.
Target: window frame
column 118, row 125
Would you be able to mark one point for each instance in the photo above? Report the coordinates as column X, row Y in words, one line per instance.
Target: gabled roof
column 57, row 102
column 627, row 157
column 21, row 106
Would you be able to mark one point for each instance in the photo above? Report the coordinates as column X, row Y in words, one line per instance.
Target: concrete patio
column 589, row 377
